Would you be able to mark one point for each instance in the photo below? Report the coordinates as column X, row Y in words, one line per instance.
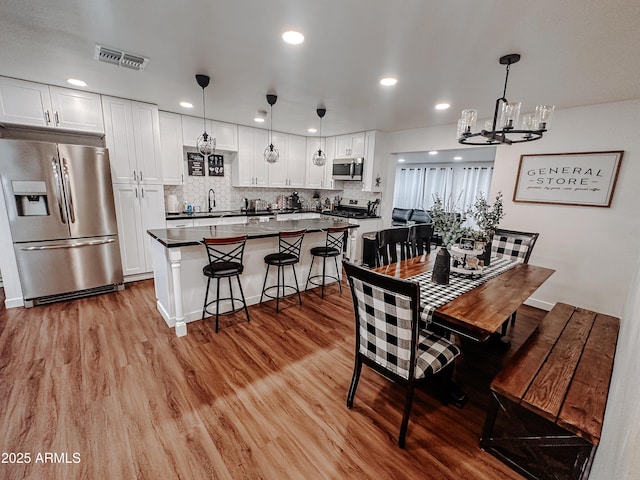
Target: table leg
column 175, row 255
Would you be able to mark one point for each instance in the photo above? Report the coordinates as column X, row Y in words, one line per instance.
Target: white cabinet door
column 24, row 103
column 39, row 105
column 179, row 223
column 119, row 138
column 133, row 139
column 351, row 145
column 76, row 110
column 226, row 135
column 329, row 182
column 171, row 148
column 372, row 166
column 152, row 215
column 129, row 220
column 138, row 209
column 192, row 128
column 146, row 128
column 278, row 172
column 251, row 170
column 315, row 175
column 297, row 161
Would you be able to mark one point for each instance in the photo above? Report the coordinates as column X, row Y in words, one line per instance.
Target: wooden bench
column 547, row 405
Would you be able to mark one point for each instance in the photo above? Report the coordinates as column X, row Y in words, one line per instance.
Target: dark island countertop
column 188, row 236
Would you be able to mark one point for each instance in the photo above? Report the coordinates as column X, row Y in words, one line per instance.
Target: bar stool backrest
column 225, row 250
column 336, row 238
column 290, row 242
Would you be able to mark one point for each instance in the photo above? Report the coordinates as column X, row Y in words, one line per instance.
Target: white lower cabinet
column 138, row 208
column 207, row 222
column 180, row 223
column 367, row 225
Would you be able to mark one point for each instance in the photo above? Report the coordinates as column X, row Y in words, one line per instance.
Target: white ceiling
column 574, row 52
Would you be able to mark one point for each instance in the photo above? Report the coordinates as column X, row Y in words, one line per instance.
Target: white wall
column 595, row 251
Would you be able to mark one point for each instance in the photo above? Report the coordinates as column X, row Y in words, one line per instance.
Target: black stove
column 352, row 208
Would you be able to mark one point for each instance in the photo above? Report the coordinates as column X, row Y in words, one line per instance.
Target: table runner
column 433, row 295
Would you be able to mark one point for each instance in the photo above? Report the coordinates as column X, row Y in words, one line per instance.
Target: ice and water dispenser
column 30, row 197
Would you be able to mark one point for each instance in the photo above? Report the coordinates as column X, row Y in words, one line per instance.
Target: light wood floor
column 105, row 378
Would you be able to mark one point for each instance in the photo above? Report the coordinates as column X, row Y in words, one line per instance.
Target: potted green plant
column 487, row 217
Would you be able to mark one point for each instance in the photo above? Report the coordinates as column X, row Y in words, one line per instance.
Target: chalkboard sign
column 216, row 166
column 196, row 164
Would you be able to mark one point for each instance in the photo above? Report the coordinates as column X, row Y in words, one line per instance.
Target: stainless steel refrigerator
column 61, row 211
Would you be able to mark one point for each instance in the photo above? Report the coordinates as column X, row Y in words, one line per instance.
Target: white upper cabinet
column 250, row 169
column 171, row 148
column 320, row 177
column 132, row 135
column 226, row 134
column 349, row 146
column 38, row 105
column 290, row 169
column 373, row 165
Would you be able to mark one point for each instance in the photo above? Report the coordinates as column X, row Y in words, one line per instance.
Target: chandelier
column 271, row 154
column 504, row 129
column 320, row 158
column 205, row 143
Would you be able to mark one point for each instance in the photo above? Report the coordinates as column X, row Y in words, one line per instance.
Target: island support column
column 175, row 255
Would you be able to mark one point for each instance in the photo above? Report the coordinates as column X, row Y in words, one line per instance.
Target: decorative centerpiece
column 487, row 217
column 447, row 221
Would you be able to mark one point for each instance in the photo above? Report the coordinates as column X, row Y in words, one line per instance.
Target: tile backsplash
column 195, row 191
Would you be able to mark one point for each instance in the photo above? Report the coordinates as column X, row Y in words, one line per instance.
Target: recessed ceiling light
column 260, row 116
column 401, row 160
column 388, row 81
column 186, row 105
column 76, row 82
column 312, row 130
column 293, row 37
column 457, row 158
column 433, row 152
column 442, row 106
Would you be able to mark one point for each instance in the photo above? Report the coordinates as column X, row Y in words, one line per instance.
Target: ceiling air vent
column 117, row 57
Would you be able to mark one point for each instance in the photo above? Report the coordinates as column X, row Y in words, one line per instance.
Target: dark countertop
column 187, row 236
column 235, row 213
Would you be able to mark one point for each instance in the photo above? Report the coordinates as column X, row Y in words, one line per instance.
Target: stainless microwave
column 348, row 168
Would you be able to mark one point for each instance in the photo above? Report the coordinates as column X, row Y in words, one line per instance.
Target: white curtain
column 415, row 187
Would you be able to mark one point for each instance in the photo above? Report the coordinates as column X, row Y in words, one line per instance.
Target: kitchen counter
column 235, row 213
column 178, row 258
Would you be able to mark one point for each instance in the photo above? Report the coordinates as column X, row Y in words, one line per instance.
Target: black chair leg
column 217, row 302
column 357, row 368
column 306, row 285
column 278, row 288
column 335, row 259
column 324, row 279
column 246, row 310
column 206, row 295
column 295, row 278
column 264, row 284
column 405, row 417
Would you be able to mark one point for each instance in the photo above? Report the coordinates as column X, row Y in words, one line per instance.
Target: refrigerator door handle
column 58, row 193
column 65, row 174
column 69, row 245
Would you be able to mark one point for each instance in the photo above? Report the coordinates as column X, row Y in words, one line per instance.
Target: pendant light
column 271, row 153
column 504, row 130
column 320, row 157
column 205, row 143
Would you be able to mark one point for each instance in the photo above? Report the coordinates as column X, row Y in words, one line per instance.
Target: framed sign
column 195, row 162
column 587, row 179
column 216, row 166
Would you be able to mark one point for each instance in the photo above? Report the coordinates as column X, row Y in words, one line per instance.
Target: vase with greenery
column 448, row 219
column 487, row 217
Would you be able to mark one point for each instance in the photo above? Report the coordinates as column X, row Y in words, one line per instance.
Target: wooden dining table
column 480, row 312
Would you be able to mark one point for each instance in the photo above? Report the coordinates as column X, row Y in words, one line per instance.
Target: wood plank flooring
column 105, row 378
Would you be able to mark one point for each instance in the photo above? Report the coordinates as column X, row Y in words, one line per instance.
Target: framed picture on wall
column 195, row 163
column 216, row 166
column 586, row 179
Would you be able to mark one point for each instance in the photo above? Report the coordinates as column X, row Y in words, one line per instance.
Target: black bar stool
column 225, row 261
column 336, row 239
column 289, row 243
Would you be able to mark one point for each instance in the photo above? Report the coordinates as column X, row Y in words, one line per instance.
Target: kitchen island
column 179, row 256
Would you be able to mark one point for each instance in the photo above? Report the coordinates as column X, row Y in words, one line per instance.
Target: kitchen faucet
column 212, row 191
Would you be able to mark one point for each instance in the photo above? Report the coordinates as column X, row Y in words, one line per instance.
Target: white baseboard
column 532, row 302
column 13, row 302
column 137, row 277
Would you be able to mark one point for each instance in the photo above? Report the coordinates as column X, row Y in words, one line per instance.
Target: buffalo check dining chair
column 389, row 340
